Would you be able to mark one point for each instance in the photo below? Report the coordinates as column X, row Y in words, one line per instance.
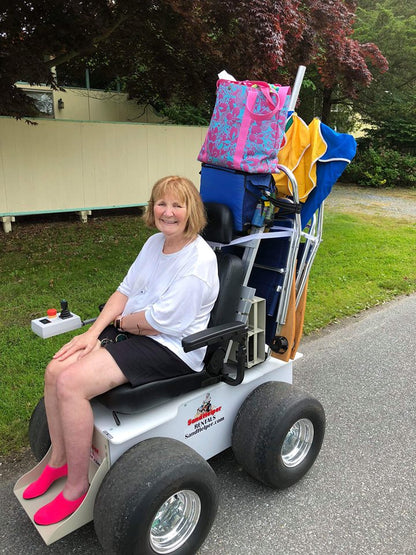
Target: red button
column 51, row 312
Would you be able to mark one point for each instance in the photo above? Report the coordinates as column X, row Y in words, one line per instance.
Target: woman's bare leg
column 76, row 384
column 53, row 370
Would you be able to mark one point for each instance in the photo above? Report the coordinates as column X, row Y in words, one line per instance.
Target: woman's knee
column 67, row 383
column 72, row 382
column 53, row 370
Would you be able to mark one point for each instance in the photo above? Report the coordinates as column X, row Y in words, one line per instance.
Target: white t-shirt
column 177, row 292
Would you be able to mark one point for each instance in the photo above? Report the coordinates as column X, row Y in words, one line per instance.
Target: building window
column 43, row 103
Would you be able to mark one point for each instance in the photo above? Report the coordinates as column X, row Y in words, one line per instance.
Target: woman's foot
column 45, row 480
column 57, row 510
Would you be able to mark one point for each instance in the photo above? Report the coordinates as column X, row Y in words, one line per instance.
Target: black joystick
column 64, row 310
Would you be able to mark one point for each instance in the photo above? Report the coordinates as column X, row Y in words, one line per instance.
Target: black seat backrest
column 230, row 267
column 219, row 229
column 230, row 274
column 220, row 226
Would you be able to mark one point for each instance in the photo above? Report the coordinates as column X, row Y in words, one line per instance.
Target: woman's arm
column 137, row 324
column 85, row 342
column 112, row 308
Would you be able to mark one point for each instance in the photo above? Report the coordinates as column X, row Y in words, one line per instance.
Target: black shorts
column 140, row 358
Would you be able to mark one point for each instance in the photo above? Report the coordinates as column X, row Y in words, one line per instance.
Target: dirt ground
column 379, row 202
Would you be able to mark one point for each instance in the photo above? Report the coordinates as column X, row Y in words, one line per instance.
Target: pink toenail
column 57, row 510
column 45, row 480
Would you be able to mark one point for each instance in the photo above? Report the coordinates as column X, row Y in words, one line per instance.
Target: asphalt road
column 358, row 498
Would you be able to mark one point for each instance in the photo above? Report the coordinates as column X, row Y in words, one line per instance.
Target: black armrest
column 216, row 334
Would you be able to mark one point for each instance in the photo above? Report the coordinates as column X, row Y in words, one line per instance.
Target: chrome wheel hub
column 175, row 521
column 297, row 442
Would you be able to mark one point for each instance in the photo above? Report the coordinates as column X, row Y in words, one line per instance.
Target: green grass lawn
column 361, row 262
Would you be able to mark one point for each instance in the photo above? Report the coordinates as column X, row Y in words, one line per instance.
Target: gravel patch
column 378, row 202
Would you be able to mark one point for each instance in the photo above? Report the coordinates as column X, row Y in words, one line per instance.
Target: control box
column 55, row 323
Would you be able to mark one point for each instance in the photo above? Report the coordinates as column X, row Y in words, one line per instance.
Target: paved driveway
column 360, row 496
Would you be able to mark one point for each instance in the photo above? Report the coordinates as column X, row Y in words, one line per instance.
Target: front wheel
column 160, row 497
column 278, row 434
column 39, row 438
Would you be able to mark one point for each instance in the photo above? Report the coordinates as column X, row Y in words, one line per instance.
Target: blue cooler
column 238, row 190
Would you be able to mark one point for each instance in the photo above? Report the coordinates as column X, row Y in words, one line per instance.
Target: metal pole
column 296, row 88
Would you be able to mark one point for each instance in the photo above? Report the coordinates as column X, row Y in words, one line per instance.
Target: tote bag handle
column 265, row 89
column 275, row 103
column 251, row 101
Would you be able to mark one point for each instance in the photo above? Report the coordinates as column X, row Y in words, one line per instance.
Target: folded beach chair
column 317, row 157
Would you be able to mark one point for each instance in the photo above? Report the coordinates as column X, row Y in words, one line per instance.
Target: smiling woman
column 167, row 294
column 182, row 198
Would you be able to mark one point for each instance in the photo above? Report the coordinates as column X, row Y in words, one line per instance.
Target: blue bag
column 238, row 190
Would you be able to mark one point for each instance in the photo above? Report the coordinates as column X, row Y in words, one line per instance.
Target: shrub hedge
column 381, row 167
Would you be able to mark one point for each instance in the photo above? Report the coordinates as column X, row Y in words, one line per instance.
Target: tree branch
column 63, row 58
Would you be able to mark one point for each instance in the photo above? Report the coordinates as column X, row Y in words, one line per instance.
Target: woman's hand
column 81, row 344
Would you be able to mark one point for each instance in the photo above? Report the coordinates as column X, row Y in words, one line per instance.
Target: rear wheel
column 159, row 497
column 278, row 434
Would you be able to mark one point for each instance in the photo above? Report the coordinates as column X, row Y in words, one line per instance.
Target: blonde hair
column 186, row 193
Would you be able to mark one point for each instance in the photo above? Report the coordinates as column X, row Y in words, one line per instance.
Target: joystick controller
column 55, row 324
column 64, row 310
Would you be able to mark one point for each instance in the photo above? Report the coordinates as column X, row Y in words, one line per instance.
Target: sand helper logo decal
column 206, row 416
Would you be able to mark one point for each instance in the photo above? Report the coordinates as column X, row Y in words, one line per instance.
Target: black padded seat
column 223, row 327
column 126, row 399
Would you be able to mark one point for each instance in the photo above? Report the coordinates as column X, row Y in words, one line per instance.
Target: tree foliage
column 389, row 104
column 168, row 52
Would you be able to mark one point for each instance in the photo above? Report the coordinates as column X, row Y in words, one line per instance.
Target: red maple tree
column 169, row 51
